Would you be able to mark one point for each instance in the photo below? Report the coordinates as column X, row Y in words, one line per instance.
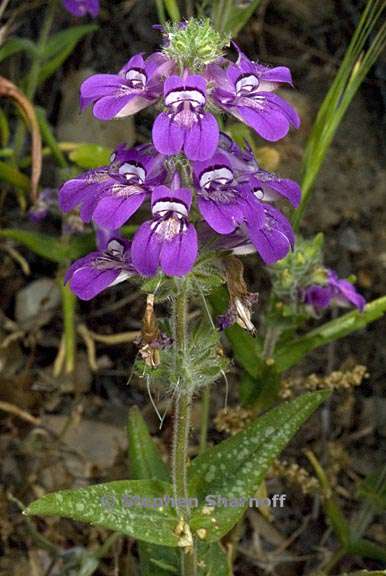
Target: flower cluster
column 80, row 8
column 302, row 282
column 202, row 188
column 334, row 291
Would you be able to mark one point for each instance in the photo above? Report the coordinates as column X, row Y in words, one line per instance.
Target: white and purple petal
column 146, row 249
column 201, row 140
column 275, row 238
column 179, row 254
column 168, row 136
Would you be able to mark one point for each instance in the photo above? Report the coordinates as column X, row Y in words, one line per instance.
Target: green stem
column 33, row 76
column 271, row 337
column 204, row 419
column 68, row 304
column 182, row 419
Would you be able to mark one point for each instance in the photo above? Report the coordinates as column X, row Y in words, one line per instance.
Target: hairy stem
column 204, row 418
column 182, row 418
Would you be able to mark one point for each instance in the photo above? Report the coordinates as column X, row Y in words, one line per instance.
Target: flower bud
column 193, row 43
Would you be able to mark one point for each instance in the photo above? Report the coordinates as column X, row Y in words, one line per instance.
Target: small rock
column 36, row 303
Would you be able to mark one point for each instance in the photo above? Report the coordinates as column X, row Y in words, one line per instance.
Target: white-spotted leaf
column 108, row 505
column 235, row 468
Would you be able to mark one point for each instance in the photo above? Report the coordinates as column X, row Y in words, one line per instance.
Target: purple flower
column 99, row 270
column 82, row 7
column 227, row 204
column 265, row 185
column 246, row 90
column 186, row 125
column 168, row 240
column 47, row 202
column 137, row 85
column 110, row 195
column 336, row 291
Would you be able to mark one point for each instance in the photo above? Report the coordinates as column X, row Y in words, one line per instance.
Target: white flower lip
column 132, row 171
column 136, row 77
column 247, row 83
column 165, row 206
column 220, row 174
column 195, row 97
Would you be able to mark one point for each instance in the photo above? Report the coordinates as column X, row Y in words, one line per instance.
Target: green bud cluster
column 194, row 43
column 301, row 268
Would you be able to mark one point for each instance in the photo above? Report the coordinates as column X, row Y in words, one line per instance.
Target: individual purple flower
column 336, row 291
column 101, row 269
column 227, row 205
column 265, row 185
column 186, row 125
column 137, row 85
column 246, row 90
column 221, row 201
column 110, row 195
column 168, row 240
column 47, row 202
column 82, row 7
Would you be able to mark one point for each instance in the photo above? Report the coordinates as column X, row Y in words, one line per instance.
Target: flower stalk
column 182, row 420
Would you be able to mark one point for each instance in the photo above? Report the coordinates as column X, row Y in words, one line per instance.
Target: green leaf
column 107, row 506
column 367, row 549
column 60, row 46
column 49, row 138
column 161, row 560
column 49, row 247
column 236, row 467
column 14, row 177
column 213, row 560
column 373, row 489
column 145, row 459
column 354, row 68
column 68, row 307
column 263, row 391
column 16, row 45
column 238, row 16
column 146, row 464
column 330, row 504
column 290, row 354
column 90, row 155
column 173, row 10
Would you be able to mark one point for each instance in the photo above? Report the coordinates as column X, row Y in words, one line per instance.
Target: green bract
column 194, row 43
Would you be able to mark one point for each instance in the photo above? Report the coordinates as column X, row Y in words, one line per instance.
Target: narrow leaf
column 68, row 307
column 16, row 45
column 367, row 549
column 173, row 10
column 144, row 457
column 60, row 46
column 290, row 354
column 14, row 177
column 49, row 247
column 237, row 16
column 49, row 138
column 146, row 464
column 108, row 506
column 353, row 70
column 330, row 504
column 373, row 489
column 236, row 467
